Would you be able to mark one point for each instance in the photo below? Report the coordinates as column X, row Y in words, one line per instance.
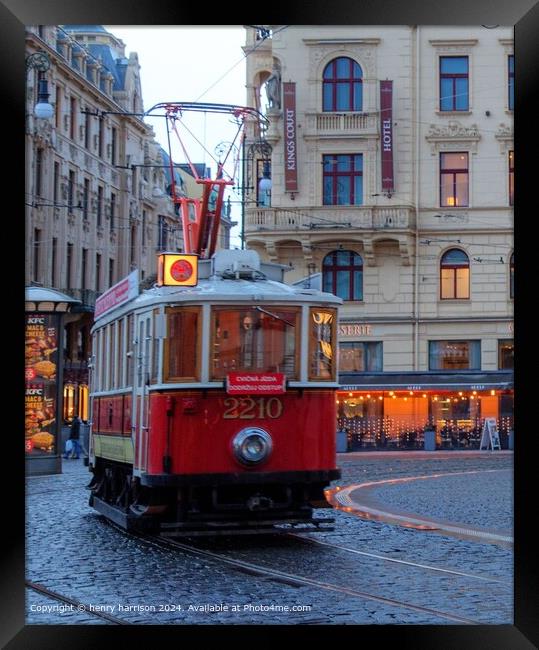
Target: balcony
column 329, row 218
column 86, row 296
column 342, row 125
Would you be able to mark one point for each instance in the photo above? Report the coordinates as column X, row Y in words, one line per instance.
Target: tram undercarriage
column 212, row 505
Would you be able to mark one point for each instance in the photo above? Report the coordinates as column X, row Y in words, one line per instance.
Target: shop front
column 392, row 410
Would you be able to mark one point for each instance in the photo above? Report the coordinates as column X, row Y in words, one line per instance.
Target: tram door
column 141, row 390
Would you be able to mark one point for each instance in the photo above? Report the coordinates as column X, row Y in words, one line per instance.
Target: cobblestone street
column 73, row 551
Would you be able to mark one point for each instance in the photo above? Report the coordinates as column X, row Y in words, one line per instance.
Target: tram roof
column 222, row 291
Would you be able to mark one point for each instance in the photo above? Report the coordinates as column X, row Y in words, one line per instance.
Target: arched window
column 512, row 276
column 342, row 86
column 454, row 275
column 342, row 275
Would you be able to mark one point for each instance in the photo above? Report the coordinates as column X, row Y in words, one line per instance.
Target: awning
column 498, row 380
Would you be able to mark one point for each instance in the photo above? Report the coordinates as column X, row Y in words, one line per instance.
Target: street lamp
column 41, row 62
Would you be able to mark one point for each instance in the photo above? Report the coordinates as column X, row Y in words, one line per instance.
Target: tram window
column 182, row 344
column 256, row 339
column 322, row 328
column 111, row 331
column 130, row 334
column 119, row 355
column 155, row 348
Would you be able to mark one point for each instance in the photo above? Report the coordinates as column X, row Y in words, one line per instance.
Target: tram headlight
column 252, row 446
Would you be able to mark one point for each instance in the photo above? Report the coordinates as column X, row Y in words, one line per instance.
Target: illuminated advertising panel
column 41, row 365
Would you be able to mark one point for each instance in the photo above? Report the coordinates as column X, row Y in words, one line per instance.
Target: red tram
column 213, row 406
column 213, row 393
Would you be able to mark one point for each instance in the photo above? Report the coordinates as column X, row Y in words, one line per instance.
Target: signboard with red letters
column 255, row 383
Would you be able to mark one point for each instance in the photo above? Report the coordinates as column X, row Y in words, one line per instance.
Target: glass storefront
column 397, row 419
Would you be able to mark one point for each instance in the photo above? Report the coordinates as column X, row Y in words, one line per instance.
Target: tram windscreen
column 256, row 339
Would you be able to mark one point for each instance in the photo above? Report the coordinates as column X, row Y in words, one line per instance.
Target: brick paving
column 73, row 551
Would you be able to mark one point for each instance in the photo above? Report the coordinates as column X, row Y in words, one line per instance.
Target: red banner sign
column 290, row 148
column 258, row 383
column 118, row 294
column 386, row 126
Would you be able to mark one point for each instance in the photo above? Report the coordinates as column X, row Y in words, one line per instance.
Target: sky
column 191, row 64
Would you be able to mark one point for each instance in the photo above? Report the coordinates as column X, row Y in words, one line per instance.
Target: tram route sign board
column 490, row 435
column 256, row 383
column 118, row 294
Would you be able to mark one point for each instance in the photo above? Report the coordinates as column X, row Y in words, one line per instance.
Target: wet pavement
column 73, row 551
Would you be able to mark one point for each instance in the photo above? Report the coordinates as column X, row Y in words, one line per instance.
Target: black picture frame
column 524, row 15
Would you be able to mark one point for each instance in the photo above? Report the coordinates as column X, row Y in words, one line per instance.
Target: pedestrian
column 74, row 437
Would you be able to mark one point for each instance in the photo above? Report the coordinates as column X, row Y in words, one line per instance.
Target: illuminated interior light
column 391, row 393
column 493, row 392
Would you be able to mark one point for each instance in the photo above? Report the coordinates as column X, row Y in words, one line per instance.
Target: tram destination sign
column 118, row 294
column 257, row 383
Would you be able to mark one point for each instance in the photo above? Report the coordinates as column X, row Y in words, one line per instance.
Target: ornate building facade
column 97, row 201
column 392, row 166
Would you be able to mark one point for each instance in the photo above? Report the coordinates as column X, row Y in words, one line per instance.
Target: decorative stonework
column 452, row 135
column 505, row 137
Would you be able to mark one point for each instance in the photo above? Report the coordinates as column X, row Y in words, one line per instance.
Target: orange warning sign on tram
column 175, row 269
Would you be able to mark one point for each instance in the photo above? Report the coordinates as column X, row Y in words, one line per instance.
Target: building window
column 360, row 356
column 133, row 247
column 85, row 198
column 506, row 354
column 112, row 210
column 342, row 275
column 37, row 246
column 454, row 83
column 511, row 177
column 99, row 217
column 454, row 180
column 69, row 266
column 511, row 80
column 342, row 86
column 101, row 136
column 54, row 256
column 84, row 267
column 454, row 355
column 111, row 272
column 58, row 107
column 512, row 276
column 87, row 129
column 162, row 233
column 39, row 172
column 56, row 182
column 454, row 275
column 113, row 145
column 71, row 191
column 343, row 179
column 73, row 118
column 143, row 226
column 97, row 272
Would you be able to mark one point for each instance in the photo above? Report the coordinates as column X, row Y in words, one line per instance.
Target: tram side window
column 322, row 353
column 257, row 339
column 182, row 344
column 130, row 335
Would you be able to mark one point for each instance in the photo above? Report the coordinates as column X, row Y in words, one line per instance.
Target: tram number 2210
column 247, row 408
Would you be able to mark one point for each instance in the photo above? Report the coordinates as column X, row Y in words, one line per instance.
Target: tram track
column 295, row 580
column 79, row 606
column 386, row 558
